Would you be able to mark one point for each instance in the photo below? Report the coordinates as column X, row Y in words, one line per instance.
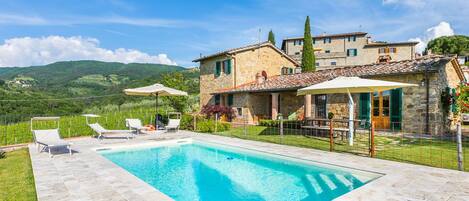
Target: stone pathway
column 88, row 176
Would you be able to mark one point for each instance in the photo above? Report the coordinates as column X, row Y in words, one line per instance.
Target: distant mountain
column 60, row 73
column 79, row 79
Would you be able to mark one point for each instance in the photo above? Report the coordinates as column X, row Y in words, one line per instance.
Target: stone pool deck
column 88, row 176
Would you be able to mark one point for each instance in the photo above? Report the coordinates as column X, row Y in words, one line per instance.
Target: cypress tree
column 271, row 37
column 308, row 62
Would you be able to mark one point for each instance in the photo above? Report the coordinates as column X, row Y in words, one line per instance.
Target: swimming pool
column 201, row 171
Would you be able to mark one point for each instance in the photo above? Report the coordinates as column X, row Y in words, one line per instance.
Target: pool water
column 204, row 172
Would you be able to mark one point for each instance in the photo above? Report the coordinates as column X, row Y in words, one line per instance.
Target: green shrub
column 187, row 122
column 208, row 126
column 286, row 123
column 2, row 154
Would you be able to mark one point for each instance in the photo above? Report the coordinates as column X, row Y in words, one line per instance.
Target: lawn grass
column 430, row 152
column 70, row 126
column 16, row 177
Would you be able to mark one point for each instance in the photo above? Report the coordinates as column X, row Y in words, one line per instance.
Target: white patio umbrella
column 155, row 90
column 351, row 85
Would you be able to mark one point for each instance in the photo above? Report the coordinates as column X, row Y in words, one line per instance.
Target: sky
column 176, row 32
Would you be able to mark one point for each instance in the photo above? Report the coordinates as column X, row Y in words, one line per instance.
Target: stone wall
column 413, row 102
column 245, row 66
column 291, row 103
column 339, row 46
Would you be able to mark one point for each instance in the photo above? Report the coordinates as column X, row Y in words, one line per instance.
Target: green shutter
column 454, row 106
column 228, row 66
column 364, row 111
column 396, row 109
column 217, row 69
column 230, row 99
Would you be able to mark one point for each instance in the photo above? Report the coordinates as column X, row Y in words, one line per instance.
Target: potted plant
column 330, row 115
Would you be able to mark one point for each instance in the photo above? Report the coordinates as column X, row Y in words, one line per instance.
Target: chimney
column 260, row 78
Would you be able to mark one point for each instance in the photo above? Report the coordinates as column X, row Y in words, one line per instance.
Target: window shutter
column 230, row 99
column 365, row 109
column 348, row 52
column 396, row 109
column 228, row 66
column 355, row 52
column 454, row 106
column 217, row 69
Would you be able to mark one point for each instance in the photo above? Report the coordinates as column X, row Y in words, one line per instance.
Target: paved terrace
column 88, row 176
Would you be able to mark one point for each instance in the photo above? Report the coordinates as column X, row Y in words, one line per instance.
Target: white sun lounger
column 102, row 131
column 173, row 124
column 50, row 139
column 135, row 125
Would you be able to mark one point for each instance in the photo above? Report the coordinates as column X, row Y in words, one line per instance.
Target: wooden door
column 381, row 102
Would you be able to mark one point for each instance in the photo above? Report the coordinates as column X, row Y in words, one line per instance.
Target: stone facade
column 413, row 102
column 334, row 54
column 245, row 65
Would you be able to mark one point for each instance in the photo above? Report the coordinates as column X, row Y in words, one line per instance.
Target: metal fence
column 418, row 145
column 437, row 148
column 16, row 128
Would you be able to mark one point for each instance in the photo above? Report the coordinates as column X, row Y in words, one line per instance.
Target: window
column 321, row 106
column 352, row 38
column 230, row 99
column 327, row 51
column 284, row 71
column 393, row 50
column 381, row 50
column 317, row 64
column 290, row 70
column 297, row 53
column 298, row 42
column 227, row 66
column 239, row 110
column 333, row 63
column 314, row 40
column 352, row 52
column 217, row 99
column 217, row 69
column 327, row 40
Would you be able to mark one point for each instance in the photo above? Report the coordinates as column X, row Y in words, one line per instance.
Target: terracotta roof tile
column 296, row 81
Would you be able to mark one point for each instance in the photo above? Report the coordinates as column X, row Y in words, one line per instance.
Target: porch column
column 308, row 106
column 274, row 105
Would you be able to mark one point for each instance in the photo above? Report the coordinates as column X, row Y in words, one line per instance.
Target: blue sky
column 177, row 31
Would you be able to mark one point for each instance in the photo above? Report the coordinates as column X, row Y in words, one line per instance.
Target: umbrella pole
column 350, row 123
column 156, row 111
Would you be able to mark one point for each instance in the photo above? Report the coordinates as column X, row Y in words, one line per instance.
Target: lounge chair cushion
column 97, row 128
column 173, row 123
column 134, row 123
column 49, row 137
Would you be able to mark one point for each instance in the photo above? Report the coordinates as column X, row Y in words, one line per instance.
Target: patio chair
column 50, row 139
column 135, row 125
column 173, row 124
column 101, row 131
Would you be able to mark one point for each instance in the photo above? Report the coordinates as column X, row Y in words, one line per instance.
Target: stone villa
column 347, row 49
column 260, row 81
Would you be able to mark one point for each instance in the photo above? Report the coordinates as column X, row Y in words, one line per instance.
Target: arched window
column 264, row 74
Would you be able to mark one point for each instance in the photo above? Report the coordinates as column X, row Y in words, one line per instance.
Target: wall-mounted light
column 422, row 82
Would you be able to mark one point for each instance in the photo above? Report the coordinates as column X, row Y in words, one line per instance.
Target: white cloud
column 442, row 29
column 29, row 51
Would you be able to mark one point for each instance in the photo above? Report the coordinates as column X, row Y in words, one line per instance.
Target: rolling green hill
column 73, row 79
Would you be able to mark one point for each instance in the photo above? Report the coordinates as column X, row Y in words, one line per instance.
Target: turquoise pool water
column 199, row 171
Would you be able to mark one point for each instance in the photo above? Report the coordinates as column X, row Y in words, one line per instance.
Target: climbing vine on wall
column 463, row 98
